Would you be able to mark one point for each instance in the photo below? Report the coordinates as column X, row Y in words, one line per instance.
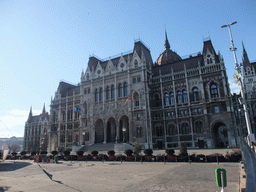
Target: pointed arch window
column 185, row 96
column 166, row 99
column 195, row 94
column 157, row 100
column 198, row 128
column 135, row 64
column 64, row 115
column 108, row 93
column 214, row 91
column 96, row 95
column 120, row 90
column 172, row 98
column 112, row 92
column 136, row 99
column 101, row 94
column 159, row 130
column 179, row 97
column 171, row 130
column 184, row 128
column 125, row 89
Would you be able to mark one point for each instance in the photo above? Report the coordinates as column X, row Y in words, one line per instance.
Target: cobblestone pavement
column 114, row 176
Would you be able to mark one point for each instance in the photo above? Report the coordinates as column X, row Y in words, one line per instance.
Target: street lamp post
column 83, row 133
column 238, row 79
column 124, row 129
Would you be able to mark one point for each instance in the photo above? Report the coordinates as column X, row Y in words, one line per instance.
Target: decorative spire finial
column 166, row 45
column 44, row 109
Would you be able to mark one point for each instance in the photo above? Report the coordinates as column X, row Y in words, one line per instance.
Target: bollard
column 141, row 159
column 217, row 159
column 221, row 178
column 164, row 159
column 56, row 159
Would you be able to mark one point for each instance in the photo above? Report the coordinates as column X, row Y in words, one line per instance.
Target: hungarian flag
column 128, row 99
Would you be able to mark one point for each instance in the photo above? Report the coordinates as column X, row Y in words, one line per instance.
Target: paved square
column 114, row 176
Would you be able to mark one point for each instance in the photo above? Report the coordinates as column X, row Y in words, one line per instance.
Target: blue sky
column 44, row 42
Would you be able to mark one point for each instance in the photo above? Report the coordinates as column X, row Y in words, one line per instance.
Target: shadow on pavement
column 12, row 166
column 2, row 189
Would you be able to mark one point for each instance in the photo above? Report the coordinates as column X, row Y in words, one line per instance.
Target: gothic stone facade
column 191, row 100
column 36, row 131
column 249, row 83
column 64, row 121
column 249, row 80
column 127, row 98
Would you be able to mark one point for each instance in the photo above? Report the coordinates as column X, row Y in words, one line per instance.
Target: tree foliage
column 14, row 147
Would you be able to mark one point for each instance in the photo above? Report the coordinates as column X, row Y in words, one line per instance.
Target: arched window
column 157, row 100
column 135, row 63
column 210, row 60
column 108, row 93
column 179, row 97
column 112, row 92
column 87, row 77
column 171, row 98
column 184, row 128
column 125, row 89
column 139, row 132
column 198, row 128
column 195, row 94
column 214, row 91
column 96, row 95
column 64, row 115
column 101, row 94
column 70, row 114
column 185, row 96
column 85, row 107
column 171, row 130
column 120, row 90
column 136, row 99
column 166, row 99
column 159, row 130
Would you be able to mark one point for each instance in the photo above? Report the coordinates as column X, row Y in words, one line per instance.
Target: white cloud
column 14, row 120
column 235, row 87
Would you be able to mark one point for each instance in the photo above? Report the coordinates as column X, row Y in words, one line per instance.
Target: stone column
column 105, row 132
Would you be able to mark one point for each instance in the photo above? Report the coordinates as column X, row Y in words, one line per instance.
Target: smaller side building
column 249, row 81
column 35, row 133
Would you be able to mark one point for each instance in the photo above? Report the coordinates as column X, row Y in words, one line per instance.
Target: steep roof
column 67, row 89
column 139, row 47
column 209, row 47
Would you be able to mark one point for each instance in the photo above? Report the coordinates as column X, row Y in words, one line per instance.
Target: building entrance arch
column 124, row 129
column 220, row 135
column 111, row 130
column 99, row 131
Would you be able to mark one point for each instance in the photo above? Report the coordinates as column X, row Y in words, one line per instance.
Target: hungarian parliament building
column 129, row 98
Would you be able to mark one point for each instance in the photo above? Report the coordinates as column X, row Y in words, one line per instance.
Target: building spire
column 166, row 45
column 43, row 109
column 246, row 61
column 30, row 114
